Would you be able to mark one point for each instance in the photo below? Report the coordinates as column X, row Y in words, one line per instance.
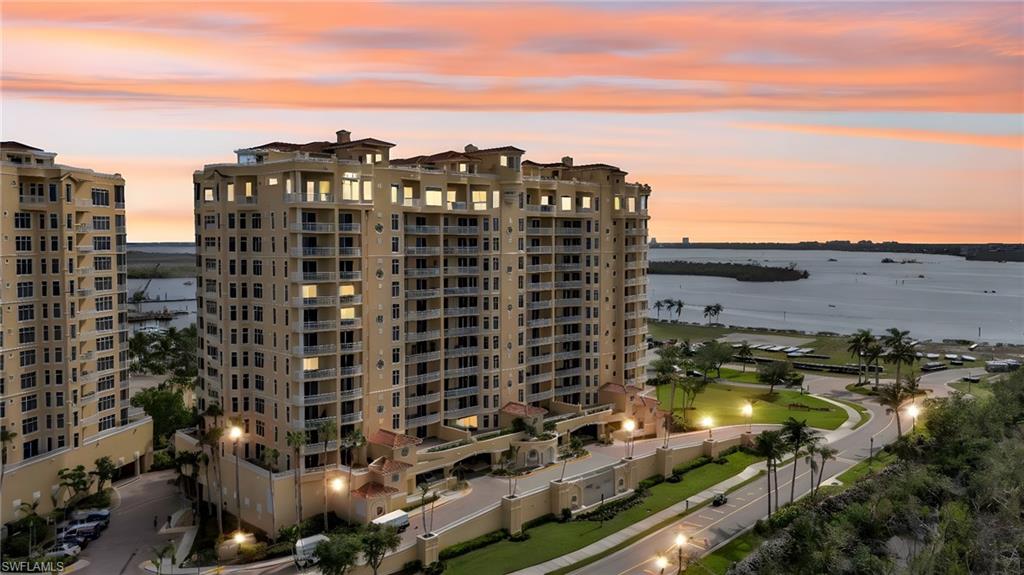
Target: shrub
column 250, row 552
column 650, row 482
column 473, row 544
column 610, row 510
column 783, row 517
column 566, row 514
column 435, row 568
column 412, row 567
column 96, row 500
column 682, row 468
column 548, row 518
column 674, row 478
column 162, row 460
column 521, row 536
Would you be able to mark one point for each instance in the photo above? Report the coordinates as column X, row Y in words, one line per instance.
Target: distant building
column 686, row 241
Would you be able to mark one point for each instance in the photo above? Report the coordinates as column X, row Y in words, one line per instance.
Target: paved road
column 130, row 538
column 746, row 506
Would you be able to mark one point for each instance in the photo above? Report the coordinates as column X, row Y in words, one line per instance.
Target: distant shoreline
column 738, row 272
column 977, row 252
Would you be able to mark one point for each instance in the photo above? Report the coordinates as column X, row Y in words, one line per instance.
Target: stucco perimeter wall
column 36, row 480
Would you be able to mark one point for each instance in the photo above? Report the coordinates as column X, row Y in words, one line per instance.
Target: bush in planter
column 412, row 567
column 566, row 514
column 249, row 552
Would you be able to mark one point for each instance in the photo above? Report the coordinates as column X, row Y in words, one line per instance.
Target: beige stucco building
column 425, row 302
column 63, row 332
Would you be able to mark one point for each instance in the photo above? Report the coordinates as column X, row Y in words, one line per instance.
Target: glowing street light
column 748, row 411
column 235, row 434
column 629, row 426
column 661, row 563
column 913, row 411
column 239, row 537
column 680, row 542
column 707, row 422
column 337, row 484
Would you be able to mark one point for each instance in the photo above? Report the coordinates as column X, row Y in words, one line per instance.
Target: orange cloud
column 1009, row 141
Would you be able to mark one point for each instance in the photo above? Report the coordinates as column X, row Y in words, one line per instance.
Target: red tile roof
column 373, row 489
column 388, row 466
column 392, row 439
column 500, row 149
column 12, row 145
column 364, row 142
column 613, row 388
column 522, row 410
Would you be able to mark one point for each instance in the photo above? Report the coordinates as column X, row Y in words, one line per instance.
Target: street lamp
column 748, row 411
column 337, row 484
column 661, row 563
column 707, row 422
column 239, row 537
column 235, row 433
column 680, row 542
column 629, row 426
column 913, row 412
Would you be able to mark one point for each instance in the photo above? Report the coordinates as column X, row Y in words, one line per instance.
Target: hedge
column 691, row 465
column 472, row 544
column 548, row 518
column 650, row 482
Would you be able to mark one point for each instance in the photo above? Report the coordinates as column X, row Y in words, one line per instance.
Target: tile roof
column 12, row 145
column 499, row 149
column 290, row 147
column 373, row 489
column 392, row 439
column 513, row 408
column 367, row 142
column 388, row 465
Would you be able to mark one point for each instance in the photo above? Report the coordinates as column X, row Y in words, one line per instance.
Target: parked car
column 62, row 550
column 398, row 519
column 77, row 522
column 305, row 550
column 87, row 531
column 99, row 515
column 78, row 540
column 719, row 499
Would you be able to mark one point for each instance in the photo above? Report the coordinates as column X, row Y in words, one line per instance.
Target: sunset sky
column 752, row 122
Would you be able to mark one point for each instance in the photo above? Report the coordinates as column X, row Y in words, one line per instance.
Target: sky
column 766, row 121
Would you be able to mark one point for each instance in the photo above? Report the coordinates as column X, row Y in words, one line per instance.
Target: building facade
column 63, row 333
column 419, row 301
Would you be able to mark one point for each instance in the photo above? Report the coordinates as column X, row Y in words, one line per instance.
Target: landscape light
column 913, row 411
column 337, row 484
column 707, row 422
column 235, row 432
column 661, row 562
column 680, row 540
column 239, row 537
column 629, row 425
column 748, row 410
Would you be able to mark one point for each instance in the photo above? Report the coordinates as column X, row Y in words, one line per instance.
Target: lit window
column 231, row 192
column 434, row 197
column 566, row 203
column 367, row 190
column 272, row 181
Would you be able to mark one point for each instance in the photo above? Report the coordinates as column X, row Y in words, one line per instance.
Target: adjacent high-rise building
column 417, row 300
column 63, row 340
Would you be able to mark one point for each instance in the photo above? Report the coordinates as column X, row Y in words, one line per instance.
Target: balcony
column 85, row 249
column 538, row 249
column 568, row 319
column 640, row 297
column 350, row 323
column 350, row 275
column 540, row 208
column 417, row 400
column 84, row 292
column 539, row 268
column 349, row 252
column 462, row 230
column 313, row 252
column 636, row 232
column 461, row 371
column 538, row 231
column 570, row 249
column 461, row 412
column 542, row 304
column 316, row 198
column 563, row 302
column 422, row 335
column 628, row 282
column 314, row 374
column 429, row 377
column 540, row 395
column 315, row 301
column 313, row 227
column 636, row 248
column 462, row 270
column 423, row 293
column 310, row 350
column 355, row 417
column 350, row 370
column 423, row 251
column 536, row 341
column 461, row 311
column 539, row 322
column 568, row 372
column 457, row 331
column 636, row 331
column 536, row 359
column 462, row 351
column 349, row 227
column 350, row 346
column 412, row 315
column 318, row 399
column 539, row 377
column 461, row 391
column 309, row 326
column 569, row 267
column 569, row 389
column 314, row 448
column 422, row 229
column 423, row 357
column 314, row 276
column 462, row 250
column 569, row 231
column 537, row 286
column 351, row 394
column 569, row 284
column 313, row 423
column 571, row 354
column 36, row 200
column 422, row 272
column 423, row 420
column 462, row 290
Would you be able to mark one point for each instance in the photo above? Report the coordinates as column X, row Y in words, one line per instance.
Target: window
column 106, row 423
column 106, row 403
column 100, row 197
column 22, row 221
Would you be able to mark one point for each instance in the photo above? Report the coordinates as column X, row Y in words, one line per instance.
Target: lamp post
column 913, row 412
column 629, row 426
column 748, row 410
column 337, row 484
column 707, row 422
column 680, row 541
column 661, row 563
column 235, row 433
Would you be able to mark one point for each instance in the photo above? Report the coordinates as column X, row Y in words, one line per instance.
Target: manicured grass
column 556, row 539
column 723, row 403
column 863, row 468
column 865, row 414
column 738, row 375
column 694, row 333
column 981, row 390
column 723, row 557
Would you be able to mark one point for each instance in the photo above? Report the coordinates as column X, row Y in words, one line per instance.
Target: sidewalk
column 639, row 527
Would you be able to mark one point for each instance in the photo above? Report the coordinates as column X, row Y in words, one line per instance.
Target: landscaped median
column 723, row 403
column 554, row 539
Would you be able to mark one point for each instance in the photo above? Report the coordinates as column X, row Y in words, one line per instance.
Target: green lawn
column 723, row 403
column 738, row 375
column 694, row 333
column 863, row 468
column 556, row 539
column 982, row 390
column 723, row 557
column 865, row 414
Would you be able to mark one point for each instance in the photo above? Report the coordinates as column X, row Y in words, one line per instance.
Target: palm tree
column 327, row 430
column 270, row 458
column 658, row 305
column 161, row 553
column 678, row 305
column 770, row 445
column 900, row 353
column 892, row 397
column 211, row 438
column 809, row 452
column 857, row 345
column 297, row 440
column 666, row 369
column 353, row 440
column 798, row 434
column 872, row 355
column 912, row 385
column 744, row 352
column 825, row 453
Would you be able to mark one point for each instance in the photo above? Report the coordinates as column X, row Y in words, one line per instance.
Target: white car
column 62, row 550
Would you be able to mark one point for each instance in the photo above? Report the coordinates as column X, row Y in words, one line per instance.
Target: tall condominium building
column 63, row 365
column 417, row 300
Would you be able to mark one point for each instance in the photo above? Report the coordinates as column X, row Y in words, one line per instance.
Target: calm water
column 949, row 300
column 166, row 290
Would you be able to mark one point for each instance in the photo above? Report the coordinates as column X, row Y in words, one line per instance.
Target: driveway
column 130, row 539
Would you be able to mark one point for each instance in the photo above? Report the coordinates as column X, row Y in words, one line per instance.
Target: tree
column 744, row 352
column 161, row 553
column 825, row 453
column 6, row 439
column 901, row 353
column 509, row 459
column 424, row 495
column 76, row 480
column 770, row 445
column 774, row 373
column 105, row 470
column 872, row 355
column 714, row 354
column 857, row 345
column 349, row 443
column 211, row 440
column 679, row 305
column 377, row 542
column 338, row 554
column 572, row 450
column 166, row 406
column 713, row 311
column 798, row 434
column 327, row 430
column 666, row 372
column 297, row 440
column 892, row 397
column 659, row 305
